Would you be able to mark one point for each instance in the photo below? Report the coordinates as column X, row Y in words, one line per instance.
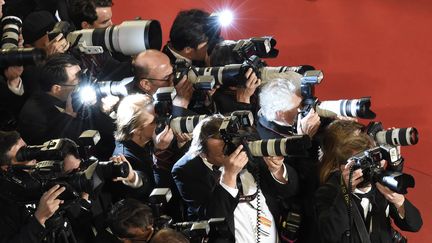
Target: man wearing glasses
column 48, row 114
column 153, row 70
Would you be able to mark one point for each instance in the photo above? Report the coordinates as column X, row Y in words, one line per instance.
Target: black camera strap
column 245, row 198
column 359, row 223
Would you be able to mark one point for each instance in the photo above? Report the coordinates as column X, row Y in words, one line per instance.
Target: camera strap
column 358, row 221
column 245, row 198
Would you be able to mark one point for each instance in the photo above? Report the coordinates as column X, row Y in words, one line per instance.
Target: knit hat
column 36, row 25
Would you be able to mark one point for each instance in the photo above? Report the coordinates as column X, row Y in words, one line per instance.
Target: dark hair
column 189, row 29
column 7, row 140
column 205, row 129
column 54, row 70
column 129, row 213
column 168, row 235
column 223, row 54
column 85, row 10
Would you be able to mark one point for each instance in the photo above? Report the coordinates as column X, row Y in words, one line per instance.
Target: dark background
column 378, row 48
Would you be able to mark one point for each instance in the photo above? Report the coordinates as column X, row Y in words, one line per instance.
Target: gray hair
column 129, row 115
column 276, row 95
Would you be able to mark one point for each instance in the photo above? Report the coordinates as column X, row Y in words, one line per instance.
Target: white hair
column 276, row 95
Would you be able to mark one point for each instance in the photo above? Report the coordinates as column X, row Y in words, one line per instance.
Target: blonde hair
column 130, row 114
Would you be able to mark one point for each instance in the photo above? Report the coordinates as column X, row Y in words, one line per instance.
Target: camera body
column 163, row 99
column 262, row 47
column 61, row 27
column 369, row 161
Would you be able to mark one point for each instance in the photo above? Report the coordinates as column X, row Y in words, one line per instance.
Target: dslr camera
column 369, row 162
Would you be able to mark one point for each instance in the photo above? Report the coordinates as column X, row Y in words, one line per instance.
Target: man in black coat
column 49, row 114
column 216, row 185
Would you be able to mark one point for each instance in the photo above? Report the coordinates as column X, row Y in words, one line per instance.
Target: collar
column 282, row 130
column 207, row 164
column 178, row 56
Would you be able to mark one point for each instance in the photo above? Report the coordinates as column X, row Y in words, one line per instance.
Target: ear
column 85, row 25
column 55, row 89
column 145, row 85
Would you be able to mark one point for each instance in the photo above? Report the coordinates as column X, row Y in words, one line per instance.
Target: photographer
column 92, row 14
column 130, row 221
column 152, row 70
column 217, row 185
column 49, row 113
column 229, row 99
column 190, row 35
column 17, row 222
column 372, row 204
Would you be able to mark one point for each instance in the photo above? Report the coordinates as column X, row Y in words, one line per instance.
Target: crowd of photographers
column 105, row 138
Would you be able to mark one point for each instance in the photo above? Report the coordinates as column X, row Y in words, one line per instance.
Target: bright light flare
column 225, row 17
column 88, row 95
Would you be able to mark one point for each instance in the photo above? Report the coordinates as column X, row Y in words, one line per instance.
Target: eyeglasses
column 68, row 85
column 169, row 78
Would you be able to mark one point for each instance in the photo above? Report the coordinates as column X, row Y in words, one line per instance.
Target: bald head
column 152, row 70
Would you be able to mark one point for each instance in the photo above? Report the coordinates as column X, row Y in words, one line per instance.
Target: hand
column 357, row 176
column 69, row 109
column 162, row 140
column 233, row 164
column 57, row 45
column 108, row 103
column 48, row 204
column 395, row 198
column 12, row 75
column 275, row 166
column 184, row 93
column 309, row 124
column 244, row 93
column 182, row 139
column 119, row 159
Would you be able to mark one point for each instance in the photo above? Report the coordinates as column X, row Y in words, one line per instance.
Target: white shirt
column 245, row 214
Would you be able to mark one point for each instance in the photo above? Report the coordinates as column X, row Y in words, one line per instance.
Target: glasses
column 68, row 85
column 169, row 78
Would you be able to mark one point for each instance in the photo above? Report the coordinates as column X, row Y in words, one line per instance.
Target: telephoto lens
column 111, row 170
column 398, row 136
column 21, row 56
column 349, row 108
column 290, row 146
column 185, row 124
column 11, row 27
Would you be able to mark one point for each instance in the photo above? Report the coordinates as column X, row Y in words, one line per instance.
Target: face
column 64, row 90
column 200, row 53
column 104, row 17
column 140, row 234
column 289, row 116
column 147, row 126
column 2, row 2
column 70, row 163
column 160, row 75
column 13, row 152
column 215, row 154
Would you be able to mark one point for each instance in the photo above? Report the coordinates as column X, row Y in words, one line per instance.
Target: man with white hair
column 279, row 116
column 280, row 102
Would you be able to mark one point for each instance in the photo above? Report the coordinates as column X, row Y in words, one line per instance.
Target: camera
column 158, row 198
column 234, row 74
column 61, row 27
column 163, row 106
column 199, row 230
column 349, row 108
column 185, row 124
column 55, row 149
column 128, row 38
column 262, row 47
column 235, row 131
column 397, row 136
column 10, row 53
column 369, row 162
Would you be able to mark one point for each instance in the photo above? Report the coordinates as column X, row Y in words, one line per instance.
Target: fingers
column 237, row 151
column 52, row 195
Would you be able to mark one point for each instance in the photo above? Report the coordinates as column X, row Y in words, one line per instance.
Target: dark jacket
column 41, row 120
column 333, row 215
column 18, row 225
column 205, row 198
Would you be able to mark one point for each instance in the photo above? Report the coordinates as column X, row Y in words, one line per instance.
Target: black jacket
column 41, row 120
column 205, row 198
column 18, row 225
column 333, row 215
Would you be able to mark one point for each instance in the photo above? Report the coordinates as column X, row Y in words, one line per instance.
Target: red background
column 378, row 48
